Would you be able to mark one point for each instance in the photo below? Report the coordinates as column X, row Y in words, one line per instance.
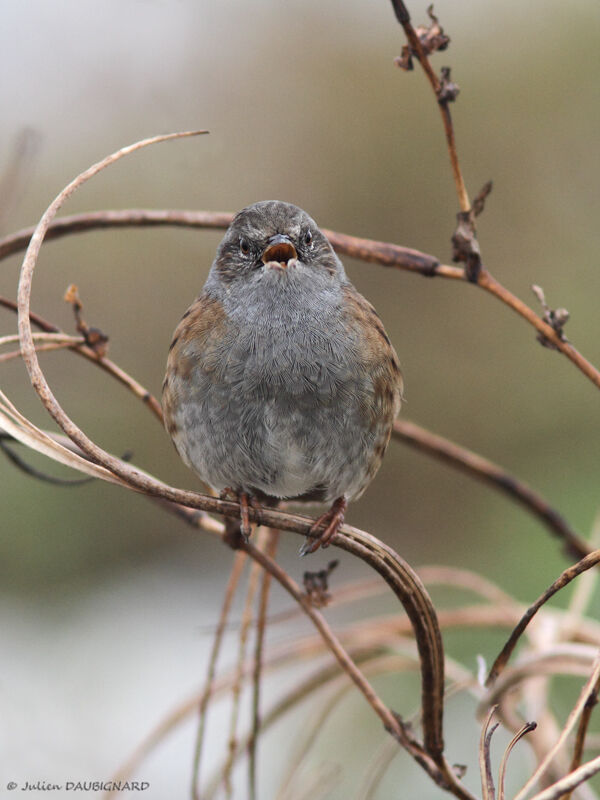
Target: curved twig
column 384, row 253
column 523, row 731
column 404, row 430
column 207, row 694
column 399, row 576
column 582, row 729
column 415, row 43
column 270, row 548
column 485, row 470
column 571, row 659
column 563, row 580
column 570, row 781
column 236, row 689
column 485, row 762
column 430, row 756
column 569, row 725
column 486, row 281
column 369, row 250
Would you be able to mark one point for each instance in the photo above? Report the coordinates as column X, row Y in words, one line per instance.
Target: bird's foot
column 332, row 519
column 238, row 531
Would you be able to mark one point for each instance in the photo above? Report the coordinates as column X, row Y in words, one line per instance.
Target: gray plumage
column 281, row 381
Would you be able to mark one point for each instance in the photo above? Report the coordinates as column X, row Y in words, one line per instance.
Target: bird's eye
column 244, row 246
column 308, row 237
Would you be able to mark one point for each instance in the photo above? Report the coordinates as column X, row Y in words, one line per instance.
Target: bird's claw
column 332, row 519
column 239, row 531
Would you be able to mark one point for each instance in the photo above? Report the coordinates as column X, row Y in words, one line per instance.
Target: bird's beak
column 279, row 250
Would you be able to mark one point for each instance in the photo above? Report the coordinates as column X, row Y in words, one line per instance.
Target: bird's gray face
column 272, row 241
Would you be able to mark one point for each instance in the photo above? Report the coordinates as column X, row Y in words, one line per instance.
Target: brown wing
column 197, row 344
column 376, row 354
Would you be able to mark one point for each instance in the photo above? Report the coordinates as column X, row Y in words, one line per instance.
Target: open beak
column 279, row 250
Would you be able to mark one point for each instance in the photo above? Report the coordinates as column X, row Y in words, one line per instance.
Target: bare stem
column 436, row 767
column 368, row 250
column 485, row 470
column 232, row 583
column 241, row 661
column 417, row 48
column 408, row 432
column 270, row 549
column 486, row 281
column 582, row 729
column 563, row 580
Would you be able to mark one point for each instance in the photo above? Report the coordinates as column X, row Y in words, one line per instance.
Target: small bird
column 281, row 381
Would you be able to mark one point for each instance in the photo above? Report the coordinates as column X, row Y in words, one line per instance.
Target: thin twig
column 569, row 725
column 527, row 728
column 564, row 658
column 36, row 473
column 320, row 784
column 570, row 782
column 563, row 580
column 384, row 253
column 49, row 347
column 105, row 363
column 376, row 770
column 485, row 470
column 232, row 583
column 329, row 674
column 408, row 432
column 582, row 730
column 376, row 663
column 270, row 548
column 413, row 594
column 45, row 342
column 487, row 282
column 435, row 767
column 485, row 765
column 57, row 338
column 240, row 669
column 415, row 44
column 435, row 574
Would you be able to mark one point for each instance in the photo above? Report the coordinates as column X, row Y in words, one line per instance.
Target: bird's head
column 271, row 241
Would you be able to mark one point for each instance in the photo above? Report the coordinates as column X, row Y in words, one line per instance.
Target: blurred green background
column 304, row 104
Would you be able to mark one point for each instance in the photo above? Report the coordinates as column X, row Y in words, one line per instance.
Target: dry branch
column 368, row 250
column 270, row 547
column 404, row 430
column 485, row 470
column 419, row 47
column 399, row 576
column 570, row 724
column 563, row 580
column 582, row 729
column 232, row 583
column 488, row 789
column 85, row 455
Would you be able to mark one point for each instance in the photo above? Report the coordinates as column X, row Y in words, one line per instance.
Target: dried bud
column 479, row 202
column 431, row 38
column 72, row 296
column 316, row 585
column 465, row 247
column 94, row 337
column 448, row 91
column 556, row 319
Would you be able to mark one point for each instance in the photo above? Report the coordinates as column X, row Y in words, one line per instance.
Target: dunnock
column 281, row 382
